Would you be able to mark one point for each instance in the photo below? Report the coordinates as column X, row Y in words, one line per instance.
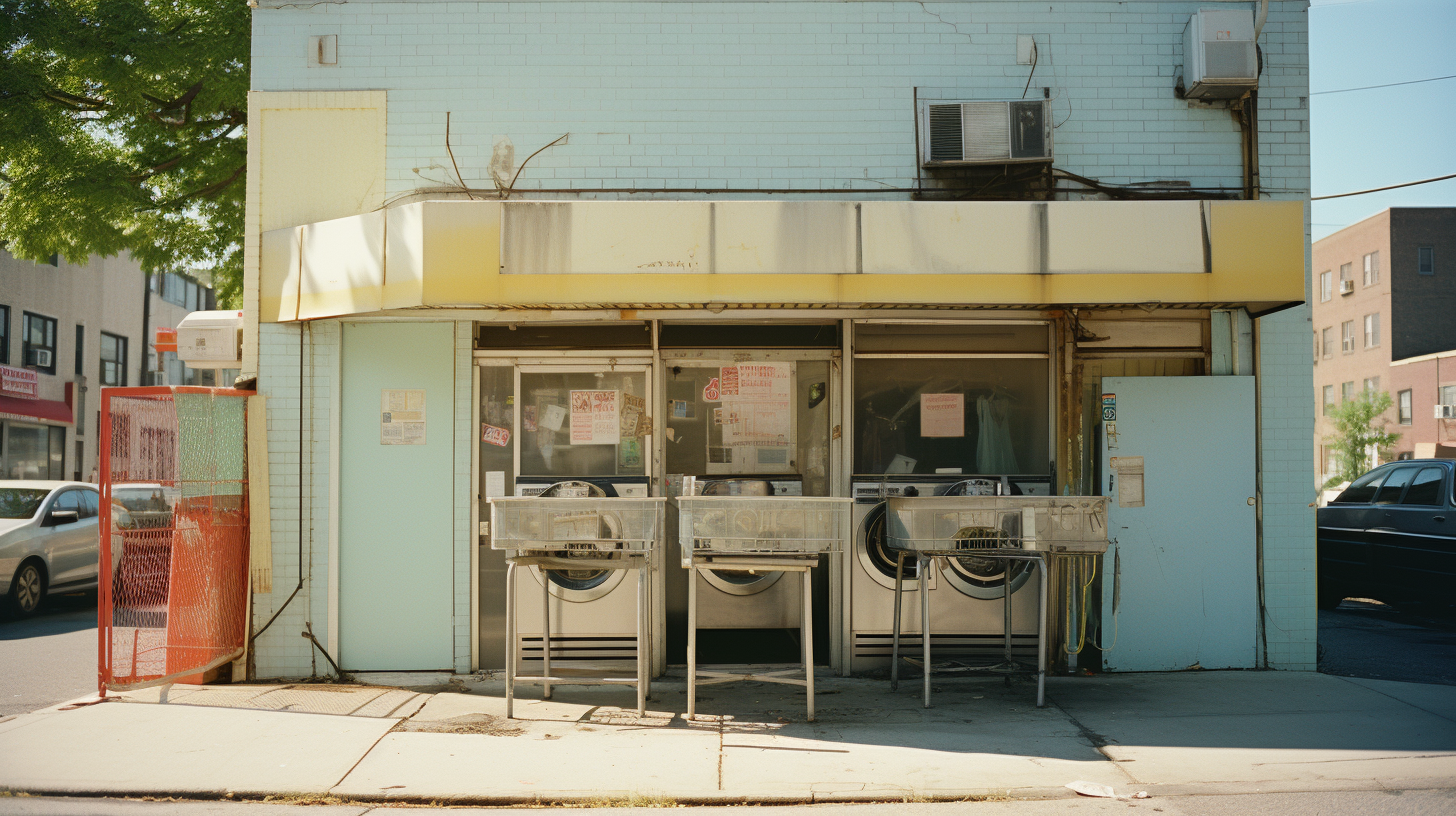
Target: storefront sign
column 493, row 435
column 402, row 417
column 943, row 415
column 19, row 382
column 596, row 418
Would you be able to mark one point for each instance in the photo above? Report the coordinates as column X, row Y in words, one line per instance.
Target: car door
column 1387, row 542
column 1343, row 536
column 1418, row 537
column 69, row 543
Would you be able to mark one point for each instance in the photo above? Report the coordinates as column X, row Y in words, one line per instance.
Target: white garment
column 994, row 452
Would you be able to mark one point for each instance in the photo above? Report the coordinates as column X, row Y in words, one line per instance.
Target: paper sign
column 596, row 418
column 1129, row 470
column 402, row 417
column 710, row 391
column 495, row 484
column 756, row 381
column 759, row 424
column 942, row 415
column 528, row 417
column 553, row 417
column 635, row 421
column 493, row 435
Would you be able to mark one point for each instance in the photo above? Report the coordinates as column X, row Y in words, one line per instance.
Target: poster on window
column 755, row 381
column 596, row 417
column 942, row 415
column 402, row 417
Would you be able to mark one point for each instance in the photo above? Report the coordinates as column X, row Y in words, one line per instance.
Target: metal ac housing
column 985, row 132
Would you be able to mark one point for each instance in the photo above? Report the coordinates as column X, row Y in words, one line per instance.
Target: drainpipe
column 145, row 378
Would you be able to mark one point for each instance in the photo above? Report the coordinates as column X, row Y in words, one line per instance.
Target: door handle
column 1438, row 518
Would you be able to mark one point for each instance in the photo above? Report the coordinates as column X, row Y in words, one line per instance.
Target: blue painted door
column 396, row 514
column 1180, row 583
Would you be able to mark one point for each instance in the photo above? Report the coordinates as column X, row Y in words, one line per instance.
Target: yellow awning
column 810, row 254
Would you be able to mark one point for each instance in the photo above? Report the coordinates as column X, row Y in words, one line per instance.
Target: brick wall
column 1424, row 305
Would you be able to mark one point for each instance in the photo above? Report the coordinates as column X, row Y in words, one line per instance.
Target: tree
column 122, row 130
column 1359, row 428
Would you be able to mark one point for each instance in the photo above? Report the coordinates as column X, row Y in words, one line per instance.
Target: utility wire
column 1378, row 189
column 1386, row 85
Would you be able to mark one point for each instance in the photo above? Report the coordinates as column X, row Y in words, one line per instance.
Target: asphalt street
column 1369, row 639
column 1365, row 803
column 49, row 658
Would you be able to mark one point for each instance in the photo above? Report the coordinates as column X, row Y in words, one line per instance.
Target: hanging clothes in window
column 994, row 452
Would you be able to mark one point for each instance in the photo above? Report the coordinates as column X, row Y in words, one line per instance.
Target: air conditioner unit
column 985, row 132
column 1446, row 412
column 211, row 339
column 1220, row 60
column 1347, row 287
column 40, row 358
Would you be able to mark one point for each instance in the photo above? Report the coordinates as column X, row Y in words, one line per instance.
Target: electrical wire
column 1386, row 85
column 1380, row 189
column 1091, row 563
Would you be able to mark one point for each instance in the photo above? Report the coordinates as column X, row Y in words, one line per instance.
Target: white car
column 49, row 540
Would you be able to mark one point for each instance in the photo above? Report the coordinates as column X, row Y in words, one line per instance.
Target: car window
column 1362, row 489
column 69, row 500
column 90, row 503
column 1390, row 491
column 20, row 502
column 1425, row 488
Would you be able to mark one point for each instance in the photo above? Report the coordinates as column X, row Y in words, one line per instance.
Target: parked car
column 142, row 518
column 1391, row 536
column 49, row 539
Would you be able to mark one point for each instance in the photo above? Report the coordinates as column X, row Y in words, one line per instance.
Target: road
column 1366, row 803
column 49, row 658
column 1370, row 639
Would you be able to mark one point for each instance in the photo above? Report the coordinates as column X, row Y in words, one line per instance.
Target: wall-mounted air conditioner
column 1446, row 412
column 1220, row 60
column 40, row 358
column 1347, row 287
column 985, row 132
column 211, row 339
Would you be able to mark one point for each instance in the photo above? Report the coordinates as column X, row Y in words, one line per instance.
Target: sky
column 1365, row 139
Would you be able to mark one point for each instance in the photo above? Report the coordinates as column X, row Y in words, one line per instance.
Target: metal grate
column 946, row 140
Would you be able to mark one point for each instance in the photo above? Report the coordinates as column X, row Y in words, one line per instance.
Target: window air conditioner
column 1220, row 60
column 1446, row 412
column 1347, row 287
column 985, row 132
column 40, row 358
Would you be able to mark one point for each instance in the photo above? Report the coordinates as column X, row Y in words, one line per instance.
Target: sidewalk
column 1195, row 732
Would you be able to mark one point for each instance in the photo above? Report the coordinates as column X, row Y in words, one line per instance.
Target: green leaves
column 122, row 128
column 1359, row 428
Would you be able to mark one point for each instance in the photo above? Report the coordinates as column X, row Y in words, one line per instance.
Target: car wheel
column 1328, row 597
column 27, row 589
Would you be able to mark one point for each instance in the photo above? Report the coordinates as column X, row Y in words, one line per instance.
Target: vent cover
column 986, row 132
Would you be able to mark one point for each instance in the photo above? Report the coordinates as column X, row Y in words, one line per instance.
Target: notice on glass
column 942, row 415
column 596, row 417
column 402, row 417
column 635, row 421
column 1129, row 470
column 755, row 381
column 761, row 423
column 553, row 418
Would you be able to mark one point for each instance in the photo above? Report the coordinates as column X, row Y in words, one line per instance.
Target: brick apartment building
column 1384, row 316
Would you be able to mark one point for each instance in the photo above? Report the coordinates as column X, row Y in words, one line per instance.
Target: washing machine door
column 733, row 582
column 877, row 559
column 583, row 585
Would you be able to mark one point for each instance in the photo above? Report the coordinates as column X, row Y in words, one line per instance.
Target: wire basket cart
column 576, row 534
column 752, row 534
column 1006, row 528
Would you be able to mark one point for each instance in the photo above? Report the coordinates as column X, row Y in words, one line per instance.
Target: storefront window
column 497, row 431
column 951, row 415
column 34, row 451
column 567, row 423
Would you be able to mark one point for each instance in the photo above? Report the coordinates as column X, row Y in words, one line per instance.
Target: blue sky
column 1365, row 139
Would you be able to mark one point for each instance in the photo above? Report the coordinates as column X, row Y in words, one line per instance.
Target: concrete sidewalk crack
column 1096, row 740
column 1351, row 681
column 720, row 753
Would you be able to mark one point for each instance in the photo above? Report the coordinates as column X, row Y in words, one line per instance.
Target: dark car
column 1391, row 536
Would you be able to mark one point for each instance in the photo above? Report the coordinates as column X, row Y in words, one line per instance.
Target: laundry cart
column 758, row 534
column 589, row 533
column 1005, row 528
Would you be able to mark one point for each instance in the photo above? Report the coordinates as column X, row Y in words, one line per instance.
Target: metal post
column 510, row 636
column 922, row 564
column 545, row 634
column 1006, row 565
column 806, row 633
column 641, row 638
column 1041, row 630
column 692, row 642
column 895, row 629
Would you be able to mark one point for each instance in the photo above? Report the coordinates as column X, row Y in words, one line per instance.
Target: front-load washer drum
column 984, row 577
column 876, row 557
column 734, row 582
column 582, row 585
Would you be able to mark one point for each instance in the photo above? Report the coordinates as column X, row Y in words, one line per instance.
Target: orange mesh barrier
column 174, row 534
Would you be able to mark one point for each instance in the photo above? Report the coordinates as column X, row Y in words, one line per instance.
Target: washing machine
column 593, row 612
column 746, row 600
column 966, row 594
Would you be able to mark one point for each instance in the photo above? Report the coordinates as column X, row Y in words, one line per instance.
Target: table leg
column 510, row 637
column 692, row 642
column 923, row 566
column 1007, row 564
column 1041, row 630
column 641, row 640
column 545, row 635
column 806, row 634
column 895, row 629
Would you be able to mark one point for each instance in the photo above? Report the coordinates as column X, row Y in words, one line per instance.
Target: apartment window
column 1329, row 400
column 80, row 348
column 1347, row 391
column 1426, row 260
column 1372, row 384
column 1346, row 277
column 1372, row 269
column 1403, row 407
column 1329, row 337
column 1325, row 285
column 38, row 342
column 1347, row 336
column 1372, row 330
column 1448, row 395
column 113, row 359
column 5, row 335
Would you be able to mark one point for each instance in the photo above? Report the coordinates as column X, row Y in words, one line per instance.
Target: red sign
column 492, row 435
column 19, row 382
column 710, row 391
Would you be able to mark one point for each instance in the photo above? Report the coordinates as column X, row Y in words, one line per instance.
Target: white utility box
column 211, row 339
column 1219, row 57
